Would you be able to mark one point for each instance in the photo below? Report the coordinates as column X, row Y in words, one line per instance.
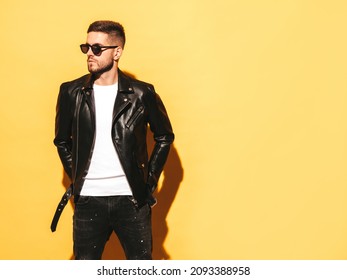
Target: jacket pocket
column 134, row 117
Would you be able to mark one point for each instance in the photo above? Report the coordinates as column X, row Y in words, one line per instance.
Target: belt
column 60, row 208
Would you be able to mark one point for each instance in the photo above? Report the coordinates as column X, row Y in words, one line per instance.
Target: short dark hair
column 109, row 27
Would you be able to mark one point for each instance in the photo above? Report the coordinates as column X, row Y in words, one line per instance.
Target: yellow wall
column 256, row 91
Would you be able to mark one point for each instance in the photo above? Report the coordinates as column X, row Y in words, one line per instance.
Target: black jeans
column 95, row 218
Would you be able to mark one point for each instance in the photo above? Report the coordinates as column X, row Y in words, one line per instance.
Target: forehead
column 97, row 38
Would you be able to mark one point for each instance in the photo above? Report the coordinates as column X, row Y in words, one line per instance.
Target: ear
column 118, row 53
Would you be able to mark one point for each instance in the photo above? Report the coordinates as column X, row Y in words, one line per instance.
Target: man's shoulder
column 70, row 89
column 78, row 82
column 140, row 83
column 134, row 83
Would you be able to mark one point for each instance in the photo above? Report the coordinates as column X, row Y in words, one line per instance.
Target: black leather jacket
column 136, row 106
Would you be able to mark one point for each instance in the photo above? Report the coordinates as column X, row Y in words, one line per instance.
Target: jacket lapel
column 88, row 93
column 122, row 100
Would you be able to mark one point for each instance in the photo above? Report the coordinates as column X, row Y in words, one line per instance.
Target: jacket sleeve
column 163, row 136
column 63, row 125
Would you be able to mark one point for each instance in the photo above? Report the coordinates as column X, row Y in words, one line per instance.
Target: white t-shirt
column 105, row 175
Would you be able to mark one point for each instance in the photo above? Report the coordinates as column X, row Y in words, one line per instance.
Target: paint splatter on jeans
column 95, row 218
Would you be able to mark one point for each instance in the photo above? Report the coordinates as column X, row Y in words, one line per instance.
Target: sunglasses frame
column 96, row 48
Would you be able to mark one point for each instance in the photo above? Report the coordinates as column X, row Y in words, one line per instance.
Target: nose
column 89, row 52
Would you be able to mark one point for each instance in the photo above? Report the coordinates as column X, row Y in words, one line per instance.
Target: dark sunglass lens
column 84, row 48
column 96, row 49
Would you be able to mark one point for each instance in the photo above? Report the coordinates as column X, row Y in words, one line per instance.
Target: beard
column 97, row 69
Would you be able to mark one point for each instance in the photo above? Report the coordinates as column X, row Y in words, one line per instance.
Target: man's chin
column 99, row 71
column 93, row 70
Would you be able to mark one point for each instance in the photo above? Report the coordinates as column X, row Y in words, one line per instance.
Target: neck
column 107, row 78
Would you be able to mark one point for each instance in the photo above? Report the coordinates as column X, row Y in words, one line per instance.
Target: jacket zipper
column 78, row 108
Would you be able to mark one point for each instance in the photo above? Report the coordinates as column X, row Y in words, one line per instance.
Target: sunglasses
column 96, row 49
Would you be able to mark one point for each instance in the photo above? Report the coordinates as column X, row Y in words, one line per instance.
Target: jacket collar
column 124, row 84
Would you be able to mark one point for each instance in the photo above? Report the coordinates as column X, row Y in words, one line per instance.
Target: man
column 100, row 134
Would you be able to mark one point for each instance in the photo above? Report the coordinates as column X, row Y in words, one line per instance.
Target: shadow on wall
column 173, row 175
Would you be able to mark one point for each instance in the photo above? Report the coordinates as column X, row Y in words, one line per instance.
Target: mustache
column 90, row 58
